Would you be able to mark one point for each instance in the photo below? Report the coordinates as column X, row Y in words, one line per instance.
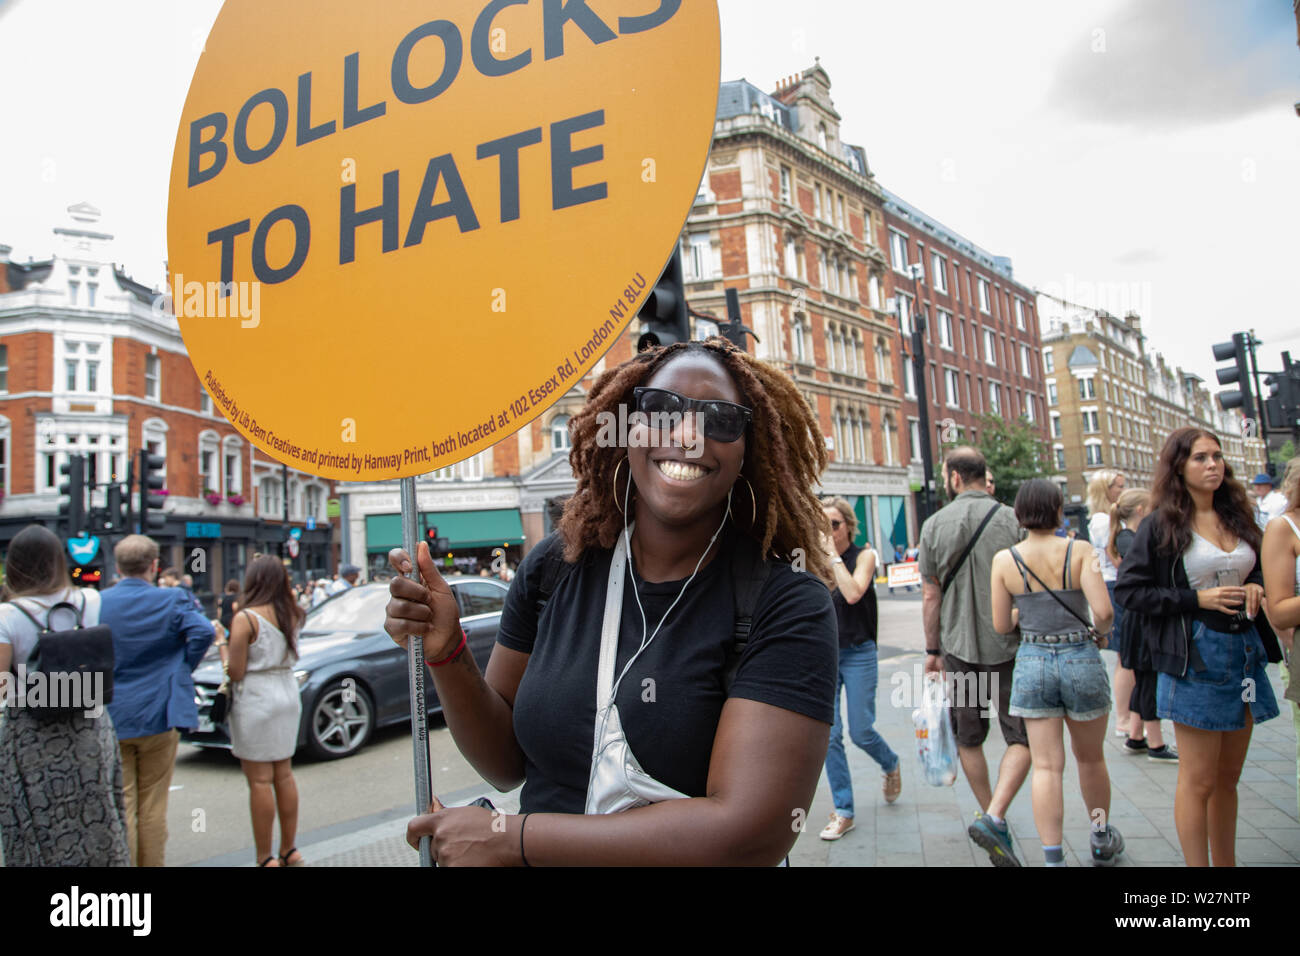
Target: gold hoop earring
column 753, row 503
column 615, row 488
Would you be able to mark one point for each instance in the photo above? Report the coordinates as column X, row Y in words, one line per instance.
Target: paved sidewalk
column 927, row 826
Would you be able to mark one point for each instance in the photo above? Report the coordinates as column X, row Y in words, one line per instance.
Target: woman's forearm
column 691, row 832
column 480, row 721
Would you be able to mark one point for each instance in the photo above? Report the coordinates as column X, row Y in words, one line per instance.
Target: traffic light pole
column 922, row 397
column 1262, row 431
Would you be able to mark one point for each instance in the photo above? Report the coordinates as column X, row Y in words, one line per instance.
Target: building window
column 898, row 251
column 791, row 256
column 909, row 378
column 905, row 314
column 1086, row 388
column 209, row 479
column 1056, row 425
column 945, row 329
column 884, row 368
column 866, row 227
column 1060, row 458
column 817, row 201
column 796, row 334
column 1049, row 361
column 839, row 211
column 270, row 501
column 699, row 257
column 4, row 454
column 1025, row 369
column 560, row 433
column 1051, row 393
column 71, row 366
column 471, row 469
column 445, row 474
column 990, row 347
column 314, row 498
column 821, row 136
column 785, row 185
column 1020, row 314
column 952, row 383
column 995, row 398
column 231, row 466
column 205, row 401
column 1092, row 453
column 984, row 296
column 873, row 291
column 939, row 272
column 889, row 436
column 1090, row 423
column 92, row 376
column 4, row 368
column 1031, row 407
column 152, row 387
column 914, row 438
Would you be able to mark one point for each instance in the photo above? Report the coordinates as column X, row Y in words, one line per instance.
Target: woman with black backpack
column 61, row 800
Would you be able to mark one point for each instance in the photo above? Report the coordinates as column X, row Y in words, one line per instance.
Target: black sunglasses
column 722, row 421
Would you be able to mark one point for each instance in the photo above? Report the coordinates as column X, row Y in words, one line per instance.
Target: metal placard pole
column 415, row 673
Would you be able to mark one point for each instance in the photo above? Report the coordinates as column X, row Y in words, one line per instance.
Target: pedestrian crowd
column 87, row 785
column 1193, row 582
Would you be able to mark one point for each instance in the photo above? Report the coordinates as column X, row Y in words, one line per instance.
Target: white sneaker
column 837, row 827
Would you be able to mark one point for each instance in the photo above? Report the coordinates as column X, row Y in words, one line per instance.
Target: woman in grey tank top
column 1281, row 558
column 1052, row 589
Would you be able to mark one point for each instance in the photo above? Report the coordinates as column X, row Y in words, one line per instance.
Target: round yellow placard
column 398, row 232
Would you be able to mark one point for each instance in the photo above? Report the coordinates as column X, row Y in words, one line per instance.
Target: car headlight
column 302, row 676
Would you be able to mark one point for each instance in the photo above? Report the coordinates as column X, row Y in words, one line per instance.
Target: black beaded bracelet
column 935, row 653
column 521, row 839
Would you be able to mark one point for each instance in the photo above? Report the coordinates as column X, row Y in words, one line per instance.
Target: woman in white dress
column 265, row 707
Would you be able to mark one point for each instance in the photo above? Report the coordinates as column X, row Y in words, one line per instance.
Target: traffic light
column 663, row 314
column 115, row 518
column 74, row 509
column 1236, row 374
column 436, row 544
column 1283, row 401
column 152, row 476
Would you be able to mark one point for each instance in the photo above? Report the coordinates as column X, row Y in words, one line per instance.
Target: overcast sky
column 1147, row 151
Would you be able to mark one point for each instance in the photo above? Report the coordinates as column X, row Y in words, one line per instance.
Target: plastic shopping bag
column 936, row 745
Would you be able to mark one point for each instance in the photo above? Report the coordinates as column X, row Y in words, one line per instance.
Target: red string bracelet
column 460, row 649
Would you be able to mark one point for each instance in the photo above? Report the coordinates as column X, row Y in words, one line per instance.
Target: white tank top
column 1203, row 560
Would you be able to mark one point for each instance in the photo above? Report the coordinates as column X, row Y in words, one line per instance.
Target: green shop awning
column 462, row 529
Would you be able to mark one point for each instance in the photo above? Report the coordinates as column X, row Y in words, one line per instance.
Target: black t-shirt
column 857, row 622
column 671, row 699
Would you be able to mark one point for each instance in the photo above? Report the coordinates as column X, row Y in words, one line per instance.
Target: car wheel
column 341, row 720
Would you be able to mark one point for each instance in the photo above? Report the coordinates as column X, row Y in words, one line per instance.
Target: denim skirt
column 1060, row 680
column 1216, row 698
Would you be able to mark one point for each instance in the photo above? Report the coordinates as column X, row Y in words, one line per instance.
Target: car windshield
column 358, row 610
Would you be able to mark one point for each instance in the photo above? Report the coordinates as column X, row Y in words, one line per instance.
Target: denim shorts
column 1060, row 680
column 1216, row 698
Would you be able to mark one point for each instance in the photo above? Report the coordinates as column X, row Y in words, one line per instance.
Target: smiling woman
column 676, row 587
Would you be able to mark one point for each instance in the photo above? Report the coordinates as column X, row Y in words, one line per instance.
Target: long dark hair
column 267, row 582
column 1172, row 507
column 35, row 564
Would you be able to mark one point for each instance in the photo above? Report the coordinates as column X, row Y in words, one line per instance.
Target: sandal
column 284, row 858
column 267, row 861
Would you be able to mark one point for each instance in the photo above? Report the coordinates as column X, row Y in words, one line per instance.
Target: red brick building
column 92, row 363
column 791, row 217
column 982, row 347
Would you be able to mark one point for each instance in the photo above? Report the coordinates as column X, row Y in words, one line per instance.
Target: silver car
column 353, row 678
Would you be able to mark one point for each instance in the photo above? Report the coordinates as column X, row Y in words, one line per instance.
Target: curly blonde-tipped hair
column 1098, row 486
column 784, row 457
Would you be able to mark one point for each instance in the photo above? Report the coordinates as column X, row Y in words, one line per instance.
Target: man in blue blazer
column 159, row 637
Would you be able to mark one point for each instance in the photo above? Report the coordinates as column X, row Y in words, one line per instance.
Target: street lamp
column 918, row 374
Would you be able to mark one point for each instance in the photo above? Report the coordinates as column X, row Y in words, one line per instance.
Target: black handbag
column 220, row 710
column 70, row 660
